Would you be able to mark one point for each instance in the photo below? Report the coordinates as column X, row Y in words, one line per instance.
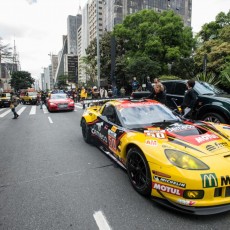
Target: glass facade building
column 115, row 11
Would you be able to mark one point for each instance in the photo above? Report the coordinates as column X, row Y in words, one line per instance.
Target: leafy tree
column 152, row 40
column 215, row 46
column 21, row 80
column 62, row 81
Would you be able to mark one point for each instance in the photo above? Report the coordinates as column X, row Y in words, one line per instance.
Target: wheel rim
column 212, row 119
column 137, row 170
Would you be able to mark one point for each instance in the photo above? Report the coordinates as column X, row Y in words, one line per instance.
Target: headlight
column 52, row 104
column 71, row 103
column 184, row 160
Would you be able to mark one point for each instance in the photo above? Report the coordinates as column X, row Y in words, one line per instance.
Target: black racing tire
column 213, row 117
column 139, row 172
column 86, row 133
column 23, row 102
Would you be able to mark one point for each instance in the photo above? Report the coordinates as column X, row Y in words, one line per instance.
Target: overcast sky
column 37, row 26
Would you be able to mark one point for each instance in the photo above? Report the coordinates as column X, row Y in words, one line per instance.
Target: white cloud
column 31, row 1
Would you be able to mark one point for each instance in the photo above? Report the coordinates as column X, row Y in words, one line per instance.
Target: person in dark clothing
column 43, row 99
column 13, row 105
column 158, row 93
column 190, row 99
column 149, row 86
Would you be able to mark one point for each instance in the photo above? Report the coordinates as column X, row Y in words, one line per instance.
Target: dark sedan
column 213, row 104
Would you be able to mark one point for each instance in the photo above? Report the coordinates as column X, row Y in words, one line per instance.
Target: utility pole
column 98, row 46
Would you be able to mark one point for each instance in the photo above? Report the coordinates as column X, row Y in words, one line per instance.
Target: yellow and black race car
column 181, row 164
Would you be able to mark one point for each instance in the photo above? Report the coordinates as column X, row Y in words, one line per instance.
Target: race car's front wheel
column 139, row 172
column 86, row 131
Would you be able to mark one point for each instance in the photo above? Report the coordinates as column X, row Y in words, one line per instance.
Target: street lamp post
column 98, row 48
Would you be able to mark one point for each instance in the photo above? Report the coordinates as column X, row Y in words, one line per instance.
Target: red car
column 60, row 101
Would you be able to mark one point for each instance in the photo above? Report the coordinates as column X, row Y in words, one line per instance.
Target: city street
column 51, row 179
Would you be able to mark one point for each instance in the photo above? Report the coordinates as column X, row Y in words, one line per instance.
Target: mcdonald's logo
column 209, row 180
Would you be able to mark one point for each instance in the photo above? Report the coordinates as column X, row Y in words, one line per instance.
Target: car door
column 111, row 128
column 175, row 93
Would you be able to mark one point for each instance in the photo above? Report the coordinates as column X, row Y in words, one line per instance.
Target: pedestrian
column 103, row 92
column 95, row 93
column 43, row 99
column 83, row 95
column 13, row 105
column 122, row 91
column 149, row 86
column 189, row 101
column 158, row 93
column 135, row 85
column 157, row 80
column 114, row 88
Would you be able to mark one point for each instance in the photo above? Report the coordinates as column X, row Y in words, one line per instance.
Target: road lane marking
column 20, row 111
column 50, row 120
column 45, row 110
column 33, row 110
column 5, row 113
column 101, row 221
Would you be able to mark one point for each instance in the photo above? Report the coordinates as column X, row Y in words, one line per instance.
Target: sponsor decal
column 151, row 142
column 186, row 202
column 99, row 135
column 114, row 128
column 178, row 128
column 216, row 146
column 206, row 138
column 99, row 125
column 154, row 128
column 112, row 140
column 226, row 127
column 168, row 189
column 209, row 180
column 156, row 134
column 225, row 180
column 168, row 181
column 111, row 133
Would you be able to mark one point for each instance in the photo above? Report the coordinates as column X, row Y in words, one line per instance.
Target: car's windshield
column 32, row 93
column 5, row 95
column 146, row 114
column 58, row 96
column 207, row 89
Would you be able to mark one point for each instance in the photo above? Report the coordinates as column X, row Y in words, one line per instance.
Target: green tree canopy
column 62, row 81
column 21, row 80
column 215, row 45
column 154, row 40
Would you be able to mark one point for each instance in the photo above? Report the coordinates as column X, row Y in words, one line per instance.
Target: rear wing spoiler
column 103, row 100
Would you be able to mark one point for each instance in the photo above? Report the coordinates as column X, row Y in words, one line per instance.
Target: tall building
column 73, row 23
column 115, row 11
column 83, row 42
column 61, row 54
column 95, row 17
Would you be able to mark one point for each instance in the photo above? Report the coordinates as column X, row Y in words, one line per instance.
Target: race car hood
column 200, row 139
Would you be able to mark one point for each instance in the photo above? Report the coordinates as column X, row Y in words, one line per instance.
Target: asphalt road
column 51, row 179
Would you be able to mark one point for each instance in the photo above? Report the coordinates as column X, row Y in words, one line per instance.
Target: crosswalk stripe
column 5, row 113
column 2, row 109
column 33, row 110
column 45, row 110
column 20, row 111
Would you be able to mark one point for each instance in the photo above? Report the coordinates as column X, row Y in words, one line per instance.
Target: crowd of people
column 156, row 88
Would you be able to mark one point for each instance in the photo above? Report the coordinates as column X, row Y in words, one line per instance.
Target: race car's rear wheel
column 86, row 132
column 139, row 172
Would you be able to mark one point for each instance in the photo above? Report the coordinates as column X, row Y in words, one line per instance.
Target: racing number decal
column 160, row 134
column 112, row 143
